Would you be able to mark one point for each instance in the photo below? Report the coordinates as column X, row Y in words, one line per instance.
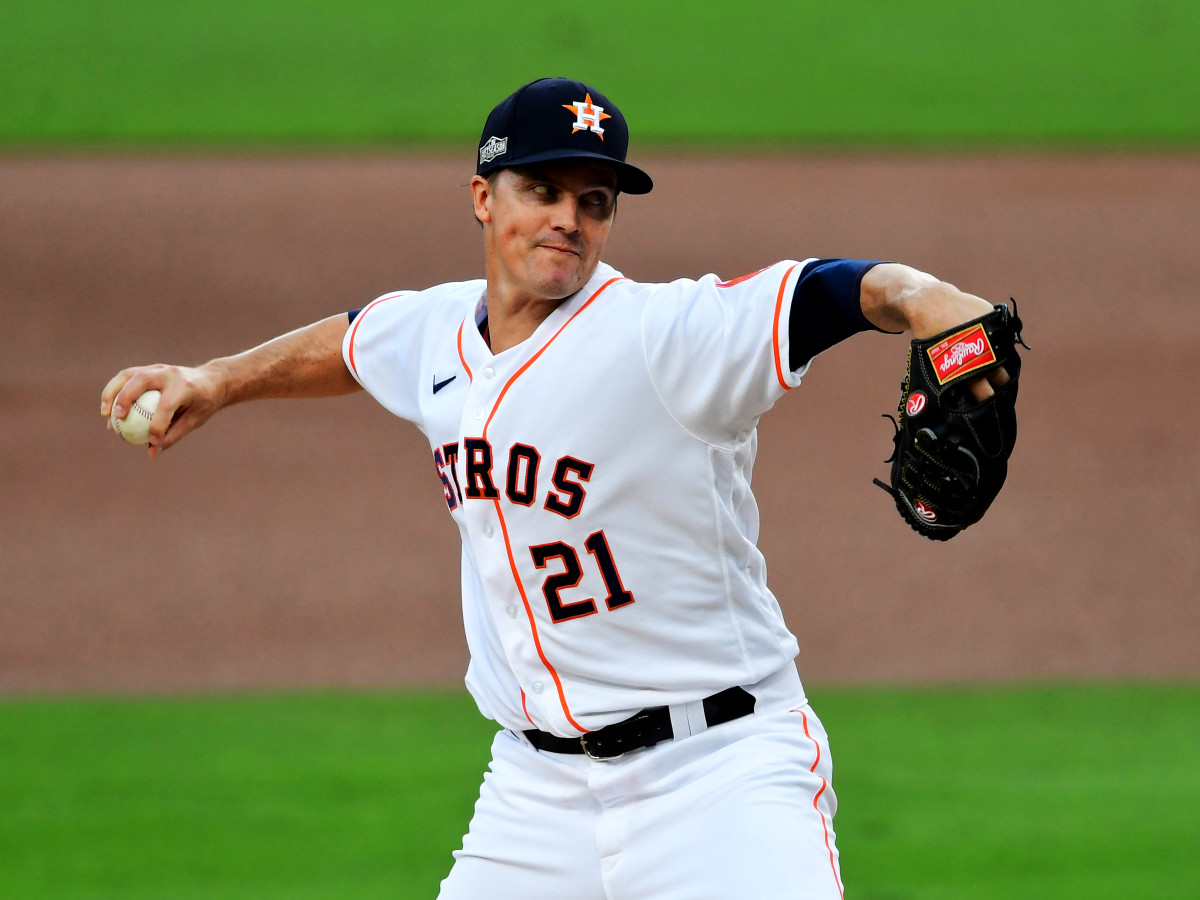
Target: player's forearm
column 895, row 297
column 303, row 363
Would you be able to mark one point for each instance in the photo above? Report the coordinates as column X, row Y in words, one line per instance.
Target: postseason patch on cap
column 494, row 147
column 962, row 352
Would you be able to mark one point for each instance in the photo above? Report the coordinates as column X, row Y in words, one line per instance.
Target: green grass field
column 950, row 793
column 361, row 72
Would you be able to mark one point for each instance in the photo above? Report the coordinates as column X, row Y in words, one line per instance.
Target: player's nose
column 564, row 216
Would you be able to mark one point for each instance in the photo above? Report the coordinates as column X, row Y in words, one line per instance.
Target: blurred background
column 220, row 670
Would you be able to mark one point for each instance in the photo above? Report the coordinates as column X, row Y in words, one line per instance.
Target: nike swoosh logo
column 438, row 385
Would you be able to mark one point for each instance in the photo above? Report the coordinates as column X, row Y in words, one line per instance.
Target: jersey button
column 479, row 413
column 489, row 372
column 488, row 531
column 538, row 687
column 512, row 612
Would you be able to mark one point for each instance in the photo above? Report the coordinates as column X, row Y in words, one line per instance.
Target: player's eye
column 598, row 202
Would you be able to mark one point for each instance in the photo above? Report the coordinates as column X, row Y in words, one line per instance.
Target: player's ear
column 481, row 193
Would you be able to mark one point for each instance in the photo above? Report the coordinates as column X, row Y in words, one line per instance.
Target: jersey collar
column 475, row 350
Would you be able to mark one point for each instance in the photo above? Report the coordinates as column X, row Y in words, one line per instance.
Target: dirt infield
column 306, row 543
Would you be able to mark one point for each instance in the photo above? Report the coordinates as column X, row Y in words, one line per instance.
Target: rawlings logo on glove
column 963, row 352
column 951, row 451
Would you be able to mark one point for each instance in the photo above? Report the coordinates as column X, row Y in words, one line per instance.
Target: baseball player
column 594, row 438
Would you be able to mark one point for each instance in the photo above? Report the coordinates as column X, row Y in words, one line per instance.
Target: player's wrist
column 937, row 307
column 218, row 383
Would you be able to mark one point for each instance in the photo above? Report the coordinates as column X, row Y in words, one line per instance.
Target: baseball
column 135, row 427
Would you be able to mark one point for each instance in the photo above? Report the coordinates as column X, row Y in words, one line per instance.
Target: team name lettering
column 521, row 485
column 439, row 462
column 569, row 499
column 479, row 469
column 445, row 460
column 564, row 495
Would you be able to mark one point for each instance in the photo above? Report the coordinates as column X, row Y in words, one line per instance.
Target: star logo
column 588, row 116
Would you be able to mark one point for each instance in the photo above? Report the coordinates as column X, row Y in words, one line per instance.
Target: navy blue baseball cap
column 557, row 118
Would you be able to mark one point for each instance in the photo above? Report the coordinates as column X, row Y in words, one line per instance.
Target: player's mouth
column 560, row 248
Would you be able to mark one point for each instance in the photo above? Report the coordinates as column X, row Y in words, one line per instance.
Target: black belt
column 647, row 728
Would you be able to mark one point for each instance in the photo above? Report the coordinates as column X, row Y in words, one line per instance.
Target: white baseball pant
column 744, row 809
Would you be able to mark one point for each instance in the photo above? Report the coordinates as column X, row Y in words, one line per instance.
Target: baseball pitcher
column 594, row 438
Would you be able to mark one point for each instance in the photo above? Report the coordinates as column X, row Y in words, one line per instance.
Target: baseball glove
column 951, row 451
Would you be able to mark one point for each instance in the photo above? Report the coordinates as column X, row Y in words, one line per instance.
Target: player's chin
column 564, row 278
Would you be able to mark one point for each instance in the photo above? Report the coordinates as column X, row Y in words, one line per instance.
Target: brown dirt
column 304, row 543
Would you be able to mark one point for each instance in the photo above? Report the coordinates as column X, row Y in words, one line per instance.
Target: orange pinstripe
column 775, row 330
column 362, row 315
column 817, row 797
column 462, row 358
column 562, row 697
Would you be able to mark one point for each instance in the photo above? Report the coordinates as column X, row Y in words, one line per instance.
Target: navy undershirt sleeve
column 353, row 314
column 826, row 308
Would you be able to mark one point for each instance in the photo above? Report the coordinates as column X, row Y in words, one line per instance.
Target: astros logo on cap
column 587, row 116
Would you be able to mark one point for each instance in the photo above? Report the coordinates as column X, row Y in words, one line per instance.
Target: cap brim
column 630, row 179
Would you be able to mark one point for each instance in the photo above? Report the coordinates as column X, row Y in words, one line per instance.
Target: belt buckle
column 590, row 755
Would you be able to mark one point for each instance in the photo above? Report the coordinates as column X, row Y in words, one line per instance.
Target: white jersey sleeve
column 399, row 343
column 381, row 347
column 717, row 351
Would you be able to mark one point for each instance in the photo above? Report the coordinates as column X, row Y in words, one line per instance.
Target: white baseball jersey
column 599, row 474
